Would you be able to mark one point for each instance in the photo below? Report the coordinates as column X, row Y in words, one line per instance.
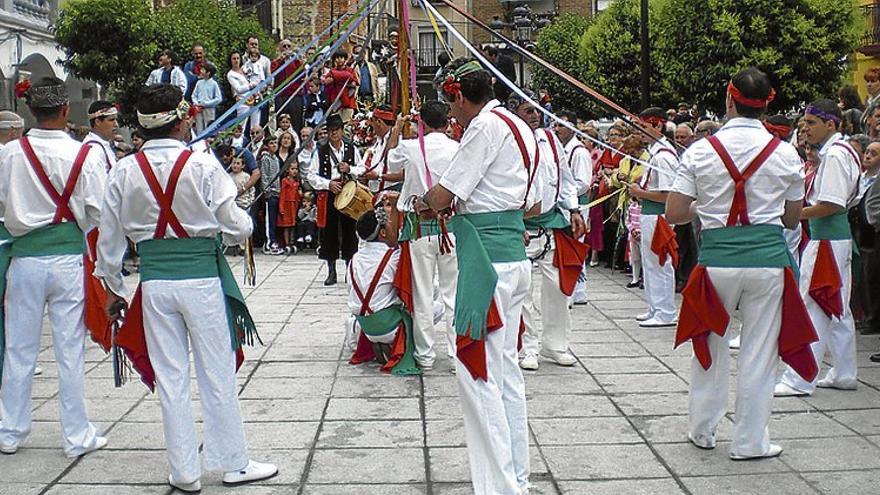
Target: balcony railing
column 871, row 38
column 426, row 59
column 36, row 10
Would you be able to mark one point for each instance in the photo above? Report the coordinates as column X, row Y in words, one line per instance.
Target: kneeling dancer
column 175, row 204
column 744, row 262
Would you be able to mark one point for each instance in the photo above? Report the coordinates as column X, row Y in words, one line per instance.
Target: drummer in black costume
column 330, row 168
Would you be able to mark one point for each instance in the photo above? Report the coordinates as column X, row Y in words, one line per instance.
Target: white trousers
column 495, row 422
column 176, row 311
column 836, row 334
column 659, row 280
column 758, row 294
column 553, row 335
column 426, row 263
column 32, row 284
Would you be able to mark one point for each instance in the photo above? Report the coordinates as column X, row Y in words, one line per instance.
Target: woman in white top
column 240, row 84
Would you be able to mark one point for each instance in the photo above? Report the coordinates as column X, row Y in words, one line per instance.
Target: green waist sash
column 51, row 240
column 584, row 199
column 199, row 257
column 415, row 227
column 5, row 249
column 553, row 219
column 386, row 320
column 833, row 228
column 653, row 207
column 746, row 246
column 480, row 240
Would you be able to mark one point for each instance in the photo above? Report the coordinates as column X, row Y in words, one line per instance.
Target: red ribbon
column 779, row 130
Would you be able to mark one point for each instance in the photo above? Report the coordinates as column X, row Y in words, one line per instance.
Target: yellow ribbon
column 601, row 200
column 438, row 33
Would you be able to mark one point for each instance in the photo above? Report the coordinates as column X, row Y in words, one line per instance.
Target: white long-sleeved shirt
column 580, row 164
column 439, row 150
column 487, row 172
column 663, row 158
column 204, row 203
column 702, row 175
column 107, row 148
column 553, row 171
column 323, row 183
column 837, row 178
column 364, row 264
column 378, row 162
column 178, row 78
column 24, row 203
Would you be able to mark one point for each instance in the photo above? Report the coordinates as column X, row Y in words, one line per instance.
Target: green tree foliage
column 801, row 44
column 115, row 42
column 558, row 44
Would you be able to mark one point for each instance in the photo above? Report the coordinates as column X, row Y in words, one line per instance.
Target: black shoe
column 633, row 285
column 331, row 273
column 875, row 358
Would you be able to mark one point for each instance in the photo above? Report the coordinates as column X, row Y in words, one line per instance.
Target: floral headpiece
column 452, row 84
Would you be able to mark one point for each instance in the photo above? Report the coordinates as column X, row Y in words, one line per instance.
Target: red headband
column 749, row 102
column 381, row 114
column 781, row 131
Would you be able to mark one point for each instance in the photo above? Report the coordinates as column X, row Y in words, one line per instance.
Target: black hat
column 334, row 122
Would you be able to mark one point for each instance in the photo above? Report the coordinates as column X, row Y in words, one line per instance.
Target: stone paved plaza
column 613, row 424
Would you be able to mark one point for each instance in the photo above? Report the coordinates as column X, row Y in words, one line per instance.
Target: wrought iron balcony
column 870, row 44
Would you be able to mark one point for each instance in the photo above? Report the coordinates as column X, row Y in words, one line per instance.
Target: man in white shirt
column 174, row 204
column 658, row 245
column 581, row 166
column 375, row 165
column 826, row 262
column 331, row 167
column 488, row 181
column 745, row 185
column 552, row 248
column 424, row 244
column 50, row 193
column 103, row 123
column 11, row 127
column 168, row 72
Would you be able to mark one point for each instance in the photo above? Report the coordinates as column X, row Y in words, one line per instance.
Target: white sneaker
column 655, row 322
column 529, row 362
column 299, row 240
column 783, row 390
column 560, row 358
column 645, row 316
column 38, row 371
column 308, row 239
column 773, row 451
column 194, row 487
column 100, row 443
column 254, row 471
column 830, row 383
column 8, row 448
column 734, row 342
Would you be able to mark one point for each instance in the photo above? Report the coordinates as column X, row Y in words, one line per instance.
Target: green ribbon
column 653, row 207
column 52, row 240
column 746, row 246
column 199, row 257
column 551, row 220
column 386, row 320
column 480, row 240
column 833, row 228
column 415, row 227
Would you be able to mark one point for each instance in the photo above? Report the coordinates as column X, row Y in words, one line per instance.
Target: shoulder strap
column 374, row 283
column 571, row 153
column 555, row 160
column 531, row 167
column 739, row 211
column 165, row 198
column 103, row 150
column 851, row 151
column 62, row 201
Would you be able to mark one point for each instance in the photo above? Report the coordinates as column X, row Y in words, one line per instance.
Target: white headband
column 157, row 120
column 104, row 112
column 12, row 124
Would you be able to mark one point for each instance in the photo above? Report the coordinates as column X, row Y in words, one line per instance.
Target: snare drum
column 354, row 200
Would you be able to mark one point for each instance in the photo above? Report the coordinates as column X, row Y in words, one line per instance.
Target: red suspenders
column 739, row 211
column 164, row 198
column 650, row 170
column 530, row 170
column 62, row 206
column 556, row 161
column 365, row 298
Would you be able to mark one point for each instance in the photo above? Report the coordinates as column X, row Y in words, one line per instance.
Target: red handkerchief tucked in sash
column 701, row 312
column 569, row 260
column 472, row 353
column 94, row 312
column 797, row 332
column 364, row 351
column 403, row 278
column 663, row 244
column 826, row 283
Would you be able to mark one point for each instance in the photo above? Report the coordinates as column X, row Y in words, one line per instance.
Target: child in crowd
column 306, row 153
column 270, row 166
column 287, row 207
column 237, row 139
column 245, row 195
column 634, row 214
column 206, row 96
column 284, row 125
column 315, row 103
column 306, row 221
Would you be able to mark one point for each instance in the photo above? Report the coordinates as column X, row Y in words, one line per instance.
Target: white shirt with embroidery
column 487, row 172
column 204, row 203
column 703, row 176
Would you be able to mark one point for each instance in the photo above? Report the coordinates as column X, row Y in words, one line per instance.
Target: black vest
column 325, row 169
